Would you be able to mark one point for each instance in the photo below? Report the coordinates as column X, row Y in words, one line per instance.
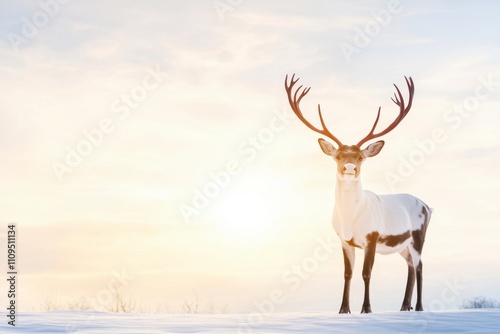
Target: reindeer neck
column 349, row 197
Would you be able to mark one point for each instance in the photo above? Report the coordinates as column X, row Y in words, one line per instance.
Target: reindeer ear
column 326, row 147
column 373, row 149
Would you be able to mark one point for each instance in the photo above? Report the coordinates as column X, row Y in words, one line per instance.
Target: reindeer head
column 349, row 157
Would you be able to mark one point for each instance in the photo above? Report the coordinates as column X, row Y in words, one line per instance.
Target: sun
column 245, row 215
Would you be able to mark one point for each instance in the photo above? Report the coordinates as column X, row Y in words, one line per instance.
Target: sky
column 149, row 146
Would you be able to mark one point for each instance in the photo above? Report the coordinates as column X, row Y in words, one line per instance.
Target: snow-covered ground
column 461, row 321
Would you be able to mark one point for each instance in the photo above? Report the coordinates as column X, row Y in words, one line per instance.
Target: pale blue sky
column 213, row 82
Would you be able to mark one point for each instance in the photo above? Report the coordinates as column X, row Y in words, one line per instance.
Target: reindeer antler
column 403, row 111
column 294, row 103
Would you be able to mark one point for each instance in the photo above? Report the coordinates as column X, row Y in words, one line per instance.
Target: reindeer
column 375, row 223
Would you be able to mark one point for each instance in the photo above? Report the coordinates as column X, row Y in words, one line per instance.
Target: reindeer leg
column 348, row 252
column 410, row 283
column 416, row 252
column 419, row 306
column 370, row 249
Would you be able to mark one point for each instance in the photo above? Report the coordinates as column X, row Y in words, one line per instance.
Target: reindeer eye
column 360, row 159
column 337, row 157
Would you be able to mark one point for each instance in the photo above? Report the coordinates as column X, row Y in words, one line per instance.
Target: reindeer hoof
column 406, row 308
column 366, row 309
column 344, row 310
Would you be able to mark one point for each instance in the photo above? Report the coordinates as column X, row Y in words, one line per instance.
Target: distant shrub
column 480, row 302
column 118, row 303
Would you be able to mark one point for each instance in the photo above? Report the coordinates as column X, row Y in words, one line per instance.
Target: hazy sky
column 153, row 139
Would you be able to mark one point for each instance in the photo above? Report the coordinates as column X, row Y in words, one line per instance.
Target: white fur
column 358, row 213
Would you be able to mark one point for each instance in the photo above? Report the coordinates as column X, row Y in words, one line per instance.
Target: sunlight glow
column 244, row 215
